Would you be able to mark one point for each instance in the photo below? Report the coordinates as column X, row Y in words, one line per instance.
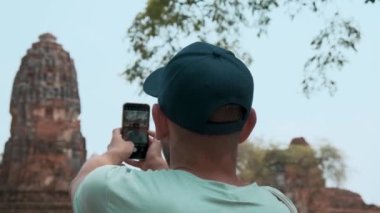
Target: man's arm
column 118, row 151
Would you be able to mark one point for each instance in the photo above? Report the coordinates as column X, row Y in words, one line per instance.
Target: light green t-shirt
column 121, row 189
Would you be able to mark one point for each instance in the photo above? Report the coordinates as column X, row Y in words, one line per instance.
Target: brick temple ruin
column 306, row 186
column 46, row 147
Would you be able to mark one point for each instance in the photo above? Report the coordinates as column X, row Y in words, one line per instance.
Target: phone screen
column 135, row 126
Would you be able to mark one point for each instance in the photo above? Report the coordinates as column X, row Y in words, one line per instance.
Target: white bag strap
column 281, row 197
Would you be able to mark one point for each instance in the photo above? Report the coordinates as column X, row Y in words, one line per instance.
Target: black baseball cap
column 196, row 82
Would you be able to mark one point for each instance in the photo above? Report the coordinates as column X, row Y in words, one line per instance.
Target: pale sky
column 94, row 33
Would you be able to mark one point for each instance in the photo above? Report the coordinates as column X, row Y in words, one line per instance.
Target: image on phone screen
column 135, row 125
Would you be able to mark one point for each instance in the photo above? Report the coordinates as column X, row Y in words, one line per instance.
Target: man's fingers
column 116, row 132
column 152, row 133
column 135, row 163
column 118, row 142
column 154, row 146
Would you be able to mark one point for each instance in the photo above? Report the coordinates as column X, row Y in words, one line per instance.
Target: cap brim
column 152, row 84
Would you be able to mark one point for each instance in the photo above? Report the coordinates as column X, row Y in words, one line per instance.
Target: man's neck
column 221, row 169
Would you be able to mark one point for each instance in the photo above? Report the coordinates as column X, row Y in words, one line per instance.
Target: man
column 203, row 112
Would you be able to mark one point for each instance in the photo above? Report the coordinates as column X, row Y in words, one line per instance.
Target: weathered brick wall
column 46, row 147
column 308, row 191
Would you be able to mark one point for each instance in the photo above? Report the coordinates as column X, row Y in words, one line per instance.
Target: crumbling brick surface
column 46, row 147
column 310, row 194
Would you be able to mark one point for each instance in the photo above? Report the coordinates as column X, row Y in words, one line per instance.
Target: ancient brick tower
column 46, row 147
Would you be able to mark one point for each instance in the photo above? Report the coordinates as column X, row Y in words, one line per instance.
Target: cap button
column 216, row 54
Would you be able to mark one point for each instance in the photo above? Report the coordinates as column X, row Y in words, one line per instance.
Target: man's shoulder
column 282, row 198
column 118, row 178
column 127, row 186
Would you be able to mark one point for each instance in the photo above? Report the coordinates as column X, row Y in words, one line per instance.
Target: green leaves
column 158, row 32
column 369, row 1
column 300, row 163
column 332, row 163
column 331, row 47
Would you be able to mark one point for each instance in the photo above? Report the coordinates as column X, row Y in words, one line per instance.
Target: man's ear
column 161, row 122
column 248, row 126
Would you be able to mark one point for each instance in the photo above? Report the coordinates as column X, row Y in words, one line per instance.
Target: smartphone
column 135, row 126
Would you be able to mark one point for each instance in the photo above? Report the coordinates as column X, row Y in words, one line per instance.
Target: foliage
column 329, row 46
column 160, row 29
column 332, row 163
column 263, row 164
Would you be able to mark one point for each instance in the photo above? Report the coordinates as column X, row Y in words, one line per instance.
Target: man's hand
column 153, row 159
column 118, row 150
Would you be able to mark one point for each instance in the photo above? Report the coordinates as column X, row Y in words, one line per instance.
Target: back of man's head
column 204, row 89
